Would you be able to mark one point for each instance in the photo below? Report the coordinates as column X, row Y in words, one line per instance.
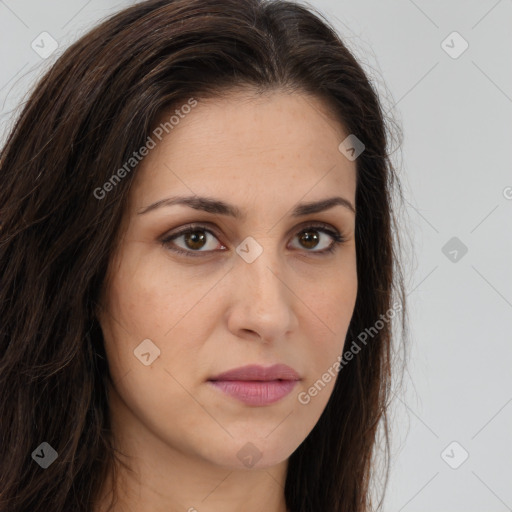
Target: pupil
column 310, row 238
column 195, row 238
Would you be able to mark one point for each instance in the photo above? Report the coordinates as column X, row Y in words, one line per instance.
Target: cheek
column 149, row 301
column 149, row 296
column 329, row 311
column 333, row 302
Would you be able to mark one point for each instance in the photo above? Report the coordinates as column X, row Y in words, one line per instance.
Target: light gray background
column 455, row 165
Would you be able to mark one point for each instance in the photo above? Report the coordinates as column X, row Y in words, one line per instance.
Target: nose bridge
column 261, row 266
column 261, row 292
column 263, row 276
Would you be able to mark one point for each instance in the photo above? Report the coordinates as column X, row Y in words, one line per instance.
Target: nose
column 262, row 303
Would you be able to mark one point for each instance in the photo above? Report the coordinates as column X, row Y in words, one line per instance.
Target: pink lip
column 256, row 372
column 257, row 385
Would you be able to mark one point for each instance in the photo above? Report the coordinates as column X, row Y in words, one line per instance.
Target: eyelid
column 338, row 237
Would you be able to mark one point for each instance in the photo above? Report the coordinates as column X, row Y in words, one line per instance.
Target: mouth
column 257, row 385
column 254, row 372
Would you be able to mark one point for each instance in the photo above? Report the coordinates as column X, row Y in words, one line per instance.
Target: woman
column 197, row 268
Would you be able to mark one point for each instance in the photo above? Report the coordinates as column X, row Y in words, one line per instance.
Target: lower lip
column 255, row 392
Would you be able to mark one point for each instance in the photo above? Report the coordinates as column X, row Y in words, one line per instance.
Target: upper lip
column 259, row 373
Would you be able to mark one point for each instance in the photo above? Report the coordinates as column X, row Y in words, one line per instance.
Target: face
column 195, row 291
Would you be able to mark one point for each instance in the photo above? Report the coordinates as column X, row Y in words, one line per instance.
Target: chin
column 250, row 455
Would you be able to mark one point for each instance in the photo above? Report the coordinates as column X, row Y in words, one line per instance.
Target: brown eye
column 194, row 239
column 309, row 239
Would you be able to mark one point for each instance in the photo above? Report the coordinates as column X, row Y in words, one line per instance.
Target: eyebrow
column 217, row 206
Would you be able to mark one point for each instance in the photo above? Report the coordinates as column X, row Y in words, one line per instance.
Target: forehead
column 274, row 147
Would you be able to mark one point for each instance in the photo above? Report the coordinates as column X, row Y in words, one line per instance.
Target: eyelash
column 338, row 238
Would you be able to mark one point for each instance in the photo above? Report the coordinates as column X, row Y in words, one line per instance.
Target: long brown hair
column 83, row 120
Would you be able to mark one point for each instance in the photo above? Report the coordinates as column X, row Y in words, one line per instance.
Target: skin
column 214, row 312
